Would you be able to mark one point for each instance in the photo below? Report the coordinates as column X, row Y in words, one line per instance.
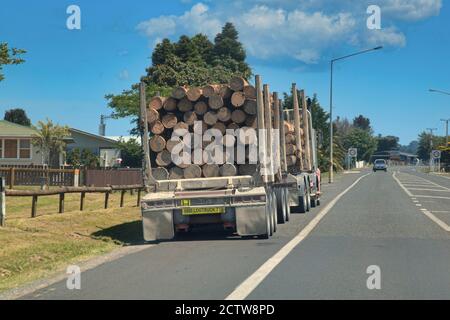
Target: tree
column 341, row 126
column 363, row 141
column 9, row 56
column 320, row 122
column 227, row 45
column 18, row 116
column 194, row 61
column 424, row 149
column 411, row 147
column 388, row 143
column 50, row 140
column 229, row 52
column 362, row 122
column 162, row 51
column 82, row 158
column 131, row 152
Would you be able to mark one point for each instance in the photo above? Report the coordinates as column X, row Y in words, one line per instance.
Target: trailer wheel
column 281, row 206
column 286, row 204
column 269, row 229
column 308, row 201
column 274, row 212
column 313, row 202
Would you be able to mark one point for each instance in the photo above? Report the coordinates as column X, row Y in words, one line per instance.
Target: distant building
column 103, row 147
column 395, row 156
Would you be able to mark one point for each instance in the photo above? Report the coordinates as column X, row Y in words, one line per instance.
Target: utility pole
column 446, row 131
column 431, row 147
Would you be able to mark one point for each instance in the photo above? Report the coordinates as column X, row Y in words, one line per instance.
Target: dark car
column 380, row 164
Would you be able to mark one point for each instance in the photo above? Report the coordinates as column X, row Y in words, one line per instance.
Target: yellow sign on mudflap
column 196, row 211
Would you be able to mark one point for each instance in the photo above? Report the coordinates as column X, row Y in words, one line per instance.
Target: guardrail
column 35, row 194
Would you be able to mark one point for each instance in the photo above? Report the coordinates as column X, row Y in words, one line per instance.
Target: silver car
column 380, row 164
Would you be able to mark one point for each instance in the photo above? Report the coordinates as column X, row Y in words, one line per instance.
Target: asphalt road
column 396, row 222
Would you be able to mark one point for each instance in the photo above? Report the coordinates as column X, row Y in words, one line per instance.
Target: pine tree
column 162, row 52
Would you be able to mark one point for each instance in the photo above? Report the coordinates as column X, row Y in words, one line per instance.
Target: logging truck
column 249, row 199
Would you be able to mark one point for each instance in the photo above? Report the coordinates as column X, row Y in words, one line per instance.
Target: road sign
column 436, row 154
column 353, row 152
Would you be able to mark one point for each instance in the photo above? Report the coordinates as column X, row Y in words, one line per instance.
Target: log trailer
column 250, row 205
column 303, row 176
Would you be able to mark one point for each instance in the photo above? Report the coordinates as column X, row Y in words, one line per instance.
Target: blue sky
column 68, row 72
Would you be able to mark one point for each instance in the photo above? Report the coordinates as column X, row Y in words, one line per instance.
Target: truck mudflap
column 158, row 225
column 251, row 221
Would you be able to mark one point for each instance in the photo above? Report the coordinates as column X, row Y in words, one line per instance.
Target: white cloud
column 161, row 27
column 387, row 36
column 196, row 20
column 309, row 31
column 308, row 56
column 124, row 75
column 412, row 9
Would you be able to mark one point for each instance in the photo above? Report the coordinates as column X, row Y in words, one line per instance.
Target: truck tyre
column 313, row 202
column 274, row 212
column 281, row 206
column 269, row 230
column 286, row 204
column 308, row 201
column 302, row 204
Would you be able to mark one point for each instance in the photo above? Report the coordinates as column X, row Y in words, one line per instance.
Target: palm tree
column 50, row 139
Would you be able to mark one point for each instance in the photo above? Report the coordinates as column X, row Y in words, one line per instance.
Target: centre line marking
column 246, row 288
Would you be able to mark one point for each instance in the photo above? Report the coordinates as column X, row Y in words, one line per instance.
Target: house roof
column 95, row 136
column 10, row 129
column 125, row 138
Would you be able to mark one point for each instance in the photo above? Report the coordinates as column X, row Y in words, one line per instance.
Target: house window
column 25, row 149
column 15, row 148
column 11, row 148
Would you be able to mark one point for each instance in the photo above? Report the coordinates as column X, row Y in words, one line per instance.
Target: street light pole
column 330, row 176
column 445, row 120
column 331, row 172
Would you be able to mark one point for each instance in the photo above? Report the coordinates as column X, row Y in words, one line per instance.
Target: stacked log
column 222, row 107
column 292, row 156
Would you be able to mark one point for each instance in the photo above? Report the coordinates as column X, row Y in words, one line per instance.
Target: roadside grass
column 39, row 247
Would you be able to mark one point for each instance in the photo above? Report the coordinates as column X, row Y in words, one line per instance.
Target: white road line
column 438, row 221
column 433, row 183
column 432, row 197
column 246, row 288
column 401, row 185
column 422, row 189
column 432, row 217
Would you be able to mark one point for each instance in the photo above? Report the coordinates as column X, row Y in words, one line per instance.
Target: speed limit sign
column 436, row 154
column 352, row 152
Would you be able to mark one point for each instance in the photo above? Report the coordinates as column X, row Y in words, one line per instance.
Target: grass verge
column 39, row 247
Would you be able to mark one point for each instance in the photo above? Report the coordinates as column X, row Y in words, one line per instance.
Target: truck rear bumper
column 160, row 225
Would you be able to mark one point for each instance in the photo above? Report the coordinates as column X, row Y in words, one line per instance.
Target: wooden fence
column 105, row 177
column 17, row 176
column 35, row 194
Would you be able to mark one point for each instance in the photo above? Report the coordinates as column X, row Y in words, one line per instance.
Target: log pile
column 292, row 155
column 218, row 106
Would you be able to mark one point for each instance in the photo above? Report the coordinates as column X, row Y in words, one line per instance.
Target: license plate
column 197, row 211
